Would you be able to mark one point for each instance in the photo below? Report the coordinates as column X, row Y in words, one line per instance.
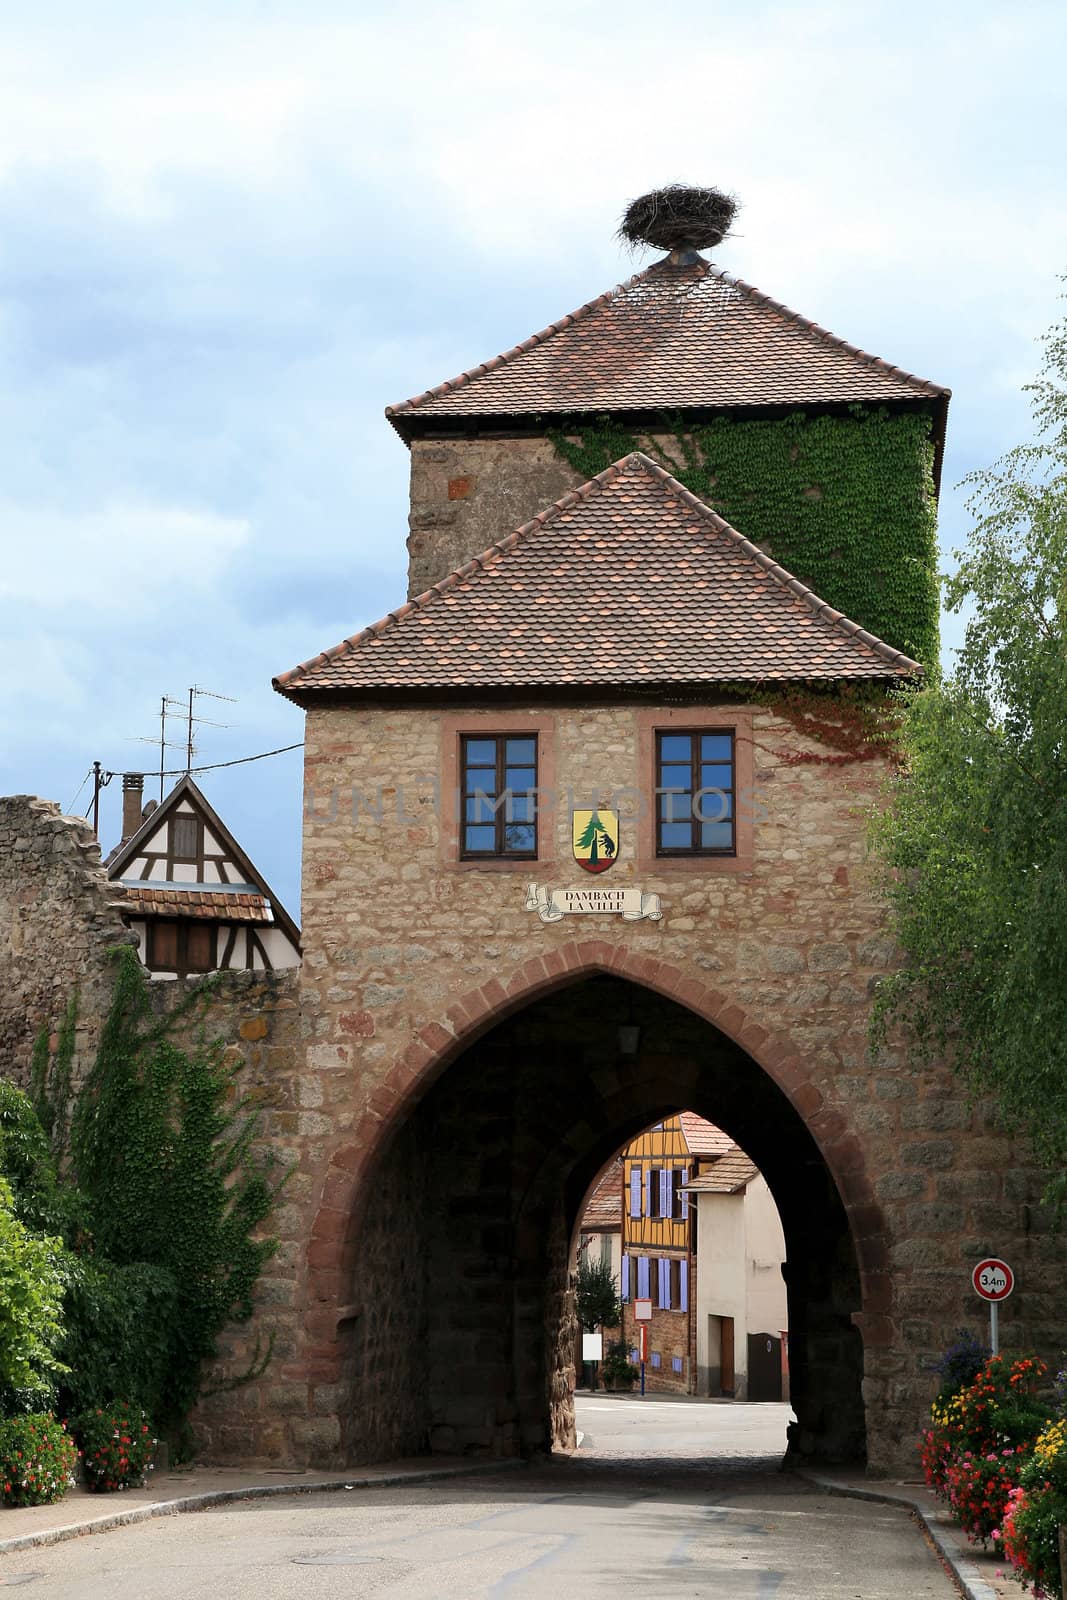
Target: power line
column 240, row 761
column 81, row 786
column 180, row 772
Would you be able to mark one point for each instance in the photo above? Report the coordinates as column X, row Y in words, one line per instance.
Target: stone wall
column 409, row 956
column 256, row 1015
column 59, row 917
column 467, row 493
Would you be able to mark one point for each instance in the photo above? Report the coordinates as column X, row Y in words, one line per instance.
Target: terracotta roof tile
column 143, row 900
column 603, row 1210
column 733, row 1171
column 629, row 580
column 703, row 1137
column 677, row 335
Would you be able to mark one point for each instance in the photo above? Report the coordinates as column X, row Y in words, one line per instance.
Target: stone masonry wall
column 59, row 917
column 467, row 493
column 404, row 950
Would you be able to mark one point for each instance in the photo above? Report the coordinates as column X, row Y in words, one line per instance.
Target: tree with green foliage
column 31, row 1298
column 597, row 1295
column 975, row 840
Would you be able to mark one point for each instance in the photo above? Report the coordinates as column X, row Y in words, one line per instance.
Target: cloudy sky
column 230, row 234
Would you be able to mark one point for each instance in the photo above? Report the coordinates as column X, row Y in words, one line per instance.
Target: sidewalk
column 171, row 1493
column 979, row 1574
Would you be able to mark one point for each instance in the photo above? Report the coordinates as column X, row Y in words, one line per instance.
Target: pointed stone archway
column 459, row 1073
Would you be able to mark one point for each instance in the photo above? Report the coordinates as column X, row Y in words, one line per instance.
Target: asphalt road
column 663, row 1499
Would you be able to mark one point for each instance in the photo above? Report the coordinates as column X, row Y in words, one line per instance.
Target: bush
column 961, row 1362
column 31, row 1295
column 117, row 1444
column 616, row 1369
column 978, row 1488
column 119, row 1322
column 1030, row 1537
column 999, row 1408
column 37, row 1460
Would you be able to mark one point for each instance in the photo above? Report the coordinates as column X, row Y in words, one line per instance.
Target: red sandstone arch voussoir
column 439, row 1041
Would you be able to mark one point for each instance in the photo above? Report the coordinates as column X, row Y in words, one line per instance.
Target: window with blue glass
column 499, row 783
column 695, row 793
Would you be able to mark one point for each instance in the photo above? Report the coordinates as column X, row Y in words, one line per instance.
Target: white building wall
column 721, row 1284
column 765, row 1250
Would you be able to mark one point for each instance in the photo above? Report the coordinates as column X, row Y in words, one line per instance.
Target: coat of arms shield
column 595, row 838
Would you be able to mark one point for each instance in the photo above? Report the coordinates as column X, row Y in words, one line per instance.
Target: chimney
column 132, row 793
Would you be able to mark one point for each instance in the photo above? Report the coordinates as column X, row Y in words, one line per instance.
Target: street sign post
column 993, row 1280
column 642, row 1334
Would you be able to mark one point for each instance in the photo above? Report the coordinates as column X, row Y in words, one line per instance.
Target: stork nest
column 679, row 218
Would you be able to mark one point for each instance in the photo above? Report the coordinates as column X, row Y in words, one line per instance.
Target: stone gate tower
column 657, row 553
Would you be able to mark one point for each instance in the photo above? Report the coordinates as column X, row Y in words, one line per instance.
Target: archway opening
column 460, row 1329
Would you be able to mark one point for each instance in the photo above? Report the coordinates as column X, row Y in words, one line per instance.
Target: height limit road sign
column 994, row 1280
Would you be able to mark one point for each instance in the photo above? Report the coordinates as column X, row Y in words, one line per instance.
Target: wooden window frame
column 695, row 762
column 180, row 966
column 197, row 857
column 484, row 725
column 500, row 821
column 689, row 719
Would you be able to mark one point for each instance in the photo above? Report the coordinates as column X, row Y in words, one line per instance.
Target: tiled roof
column 145, row 901
column 730, row 1173
column 603, row 1209
column 629, row 580
column 703, row 1137
column 676, row 336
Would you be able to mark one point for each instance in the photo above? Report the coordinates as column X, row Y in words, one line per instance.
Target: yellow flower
column 1051, row 1441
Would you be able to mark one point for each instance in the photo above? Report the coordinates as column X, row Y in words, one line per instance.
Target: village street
column 640, row 1509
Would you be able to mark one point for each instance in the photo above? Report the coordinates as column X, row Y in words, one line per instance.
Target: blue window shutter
column 648, row 1192
column 684, row 1287
column 685, row 1196
column 624, row 1285
column 665, row 1206
column 635, row 1191
column 642, row 1277
column 665, row 1283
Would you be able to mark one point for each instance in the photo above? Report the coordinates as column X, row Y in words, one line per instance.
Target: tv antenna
column 172, row 709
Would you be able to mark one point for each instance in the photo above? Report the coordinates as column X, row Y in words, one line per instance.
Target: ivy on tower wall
column 845, row 503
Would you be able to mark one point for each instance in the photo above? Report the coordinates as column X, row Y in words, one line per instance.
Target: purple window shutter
column 685, row 1196
column 648, row 1192
column 684, row 1287
column 642, row 1277
column 665, row 1207
column 635, row 1191
column 665, row 1283
column 624, row 1285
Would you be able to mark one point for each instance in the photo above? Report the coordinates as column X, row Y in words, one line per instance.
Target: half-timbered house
column 195, row 899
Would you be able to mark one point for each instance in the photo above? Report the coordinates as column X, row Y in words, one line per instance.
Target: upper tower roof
column 680, row 336
column 629, row 581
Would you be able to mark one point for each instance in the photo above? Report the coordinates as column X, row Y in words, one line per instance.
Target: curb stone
column 971, row 1583
column 222, row 1497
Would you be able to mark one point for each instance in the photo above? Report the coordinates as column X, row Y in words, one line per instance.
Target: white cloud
column 119, row 560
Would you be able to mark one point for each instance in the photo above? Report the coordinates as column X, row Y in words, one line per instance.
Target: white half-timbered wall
column 184, row 851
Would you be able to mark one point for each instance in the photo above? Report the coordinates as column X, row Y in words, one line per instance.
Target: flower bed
column 37, row 1460
column 117, row 1446
column 997, row 1454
